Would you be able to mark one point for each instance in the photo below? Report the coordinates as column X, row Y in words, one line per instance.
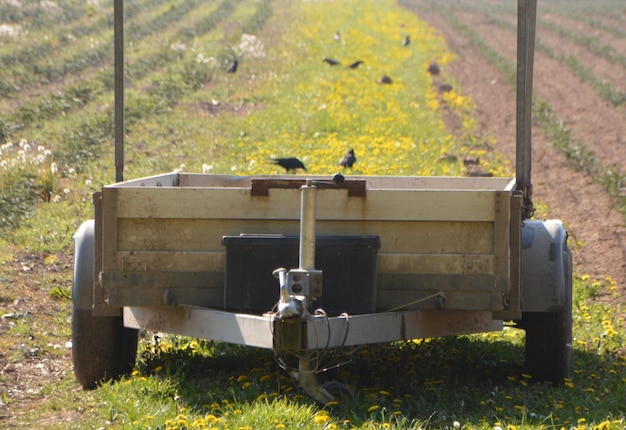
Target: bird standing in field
column 233, row 67
column 337, row 37
column 406, row 40
column 348, row 160
column 355, row 64
column 289, row 163
column 433, row 68
column 330, row 61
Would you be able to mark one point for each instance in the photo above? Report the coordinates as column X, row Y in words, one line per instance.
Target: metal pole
column 307, row 227
column 118, row 11
column 526, row 19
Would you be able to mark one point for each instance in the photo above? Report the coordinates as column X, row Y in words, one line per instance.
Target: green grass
column 185, row 113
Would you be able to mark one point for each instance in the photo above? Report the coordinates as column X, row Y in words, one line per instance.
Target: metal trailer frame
column 292, row 327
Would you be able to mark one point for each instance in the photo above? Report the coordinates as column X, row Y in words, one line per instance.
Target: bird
column 385, row 80
column 433, row 68
column 289, row 163
column 330, row 61
column 445, row 88
column 355, row 64
column 406, row 40
column 337, row 37
column 348, row 160
column 233, row 67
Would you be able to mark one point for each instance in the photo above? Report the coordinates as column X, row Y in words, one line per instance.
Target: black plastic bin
column 348, row 264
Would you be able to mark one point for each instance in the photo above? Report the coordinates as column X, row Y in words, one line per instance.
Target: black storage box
column 348, row 264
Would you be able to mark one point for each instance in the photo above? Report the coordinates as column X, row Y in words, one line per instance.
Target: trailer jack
column 306, row 379
column 299, row 287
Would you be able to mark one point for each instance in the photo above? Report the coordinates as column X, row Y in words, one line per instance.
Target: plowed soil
column 597, row 231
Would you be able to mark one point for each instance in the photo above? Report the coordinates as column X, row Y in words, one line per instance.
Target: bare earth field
column 597, row 231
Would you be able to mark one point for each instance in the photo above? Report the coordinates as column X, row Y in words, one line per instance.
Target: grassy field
column 186, row 113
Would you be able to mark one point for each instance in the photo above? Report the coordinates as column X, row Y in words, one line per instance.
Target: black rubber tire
column 549, row 337
column 102, row 348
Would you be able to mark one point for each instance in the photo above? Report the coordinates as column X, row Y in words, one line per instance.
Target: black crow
column 348, row 160
column 445, row 88
column 233, row 67
column 433, row 68
column 406, row 41
column 385, row 80
column 331, row 61
column 355, row 64
column 289, row 163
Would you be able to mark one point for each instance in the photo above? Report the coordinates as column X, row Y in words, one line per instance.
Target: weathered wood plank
column 284, row 204
column 454, row 300
column 396, row 237
column 470, row 264
column 143, row 261
column 109, row 228
column 164, row 288
column 435, row 282
column 183, row 261
column 373, row 182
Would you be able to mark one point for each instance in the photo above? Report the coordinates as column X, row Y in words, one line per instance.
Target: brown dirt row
column 597, row 230
column 609, row 71
column 593, row 120
column 604, row 37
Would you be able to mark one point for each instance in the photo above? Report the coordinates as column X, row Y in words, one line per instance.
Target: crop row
column 559, row 135
column 140, row 65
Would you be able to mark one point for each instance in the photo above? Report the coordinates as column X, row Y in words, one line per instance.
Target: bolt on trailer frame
column 246, row 260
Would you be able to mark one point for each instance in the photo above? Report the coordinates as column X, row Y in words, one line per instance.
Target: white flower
column 250, row 45
column 88, row 182
column 53, row 168
column 178, row 46
column 56, row 199
column 206, row 168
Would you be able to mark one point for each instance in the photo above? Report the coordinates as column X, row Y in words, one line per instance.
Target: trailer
column 309, row 263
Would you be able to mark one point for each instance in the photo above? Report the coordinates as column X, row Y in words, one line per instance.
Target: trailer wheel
column 102, row 348
column 549, row 336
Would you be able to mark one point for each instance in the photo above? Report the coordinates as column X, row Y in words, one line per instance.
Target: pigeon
column 330, row 61
column 348, row 160
column 406, row 41
column 233, row 67
column 433, row 68
column 289, row 163
column 355, row 64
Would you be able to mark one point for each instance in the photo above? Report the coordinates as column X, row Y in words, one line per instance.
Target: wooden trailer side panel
column 440, row 248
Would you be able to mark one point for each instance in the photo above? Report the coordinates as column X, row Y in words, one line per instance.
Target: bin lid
column 246, row 239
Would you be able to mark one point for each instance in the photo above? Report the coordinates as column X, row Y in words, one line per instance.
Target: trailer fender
column 545, row 261
column 82, row 282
